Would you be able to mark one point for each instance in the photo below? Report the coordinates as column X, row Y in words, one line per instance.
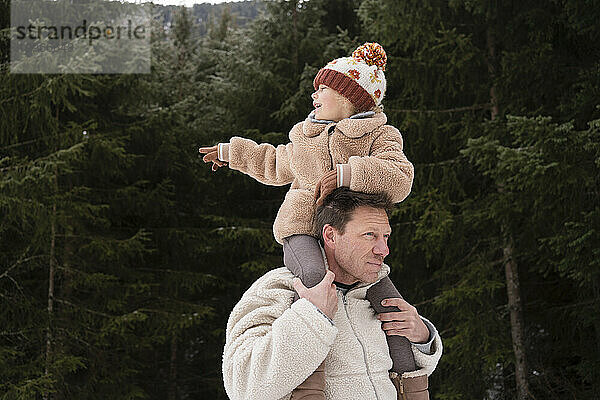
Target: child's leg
column 400, row 349
column 302, row 255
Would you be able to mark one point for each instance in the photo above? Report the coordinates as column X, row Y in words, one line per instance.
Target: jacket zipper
column 399, row 384
column 345, row 302
column 401, row 388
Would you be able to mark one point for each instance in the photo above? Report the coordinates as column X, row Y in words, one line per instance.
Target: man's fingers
column 393, row 316
column 299, row 286
column 399, row 325
column 396, row 302
column 328, row 279
column 409, row 330
column 397, row 332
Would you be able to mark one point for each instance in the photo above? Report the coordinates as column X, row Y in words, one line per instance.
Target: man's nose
column 314, row 95
column 381, row 248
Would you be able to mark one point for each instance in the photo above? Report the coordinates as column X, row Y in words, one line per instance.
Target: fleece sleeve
column 269, row 350
column 426, row 362
column 426, row 347
column 264, row 162
column 386, row 168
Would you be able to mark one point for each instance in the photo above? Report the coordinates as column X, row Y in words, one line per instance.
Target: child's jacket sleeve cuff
column 344, row 172
column 223, row 152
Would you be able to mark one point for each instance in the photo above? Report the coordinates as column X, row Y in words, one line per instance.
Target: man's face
column 360, row 250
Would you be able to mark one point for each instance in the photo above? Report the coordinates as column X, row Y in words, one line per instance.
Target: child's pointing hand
column 212, row 155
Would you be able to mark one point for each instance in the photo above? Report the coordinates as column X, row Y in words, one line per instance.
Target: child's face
column 330, row 105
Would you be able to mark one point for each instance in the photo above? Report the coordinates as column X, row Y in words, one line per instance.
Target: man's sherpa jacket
column 270, row 347
column 366, row 152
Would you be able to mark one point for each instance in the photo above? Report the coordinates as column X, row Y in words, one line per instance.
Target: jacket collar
column 354, row 127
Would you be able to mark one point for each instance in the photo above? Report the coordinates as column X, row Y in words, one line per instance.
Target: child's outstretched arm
column 264, row 162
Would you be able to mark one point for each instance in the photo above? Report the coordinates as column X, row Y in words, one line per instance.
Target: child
column 343, row 142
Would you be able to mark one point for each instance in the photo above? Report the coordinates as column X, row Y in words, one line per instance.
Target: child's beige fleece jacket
column 367, row 153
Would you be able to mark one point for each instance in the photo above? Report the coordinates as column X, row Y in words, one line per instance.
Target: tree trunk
column 492, row 71
column 510, row 268
column 51, row 271
column 516, row 321
column 173, row 370
column 295, row 38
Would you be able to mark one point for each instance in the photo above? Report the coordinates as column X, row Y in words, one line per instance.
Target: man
column 273, row 345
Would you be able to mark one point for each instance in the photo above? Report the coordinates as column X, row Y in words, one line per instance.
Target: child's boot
column 415, row 388
column 313, row 388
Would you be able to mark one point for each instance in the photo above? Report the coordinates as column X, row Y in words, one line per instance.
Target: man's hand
column 326, row 185
column 323, row 295
column 212, row 156
column 406, row 322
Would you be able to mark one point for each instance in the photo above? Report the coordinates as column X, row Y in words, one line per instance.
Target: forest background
column 122, row 254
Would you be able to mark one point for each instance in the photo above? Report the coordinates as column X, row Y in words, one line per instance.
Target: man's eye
column 369, row 234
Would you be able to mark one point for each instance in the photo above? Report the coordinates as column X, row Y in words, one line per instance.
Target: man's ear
column 329, row 236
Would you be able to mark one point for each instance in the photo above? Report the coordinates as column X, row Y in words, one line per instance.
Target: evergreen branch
column 68, row 333
column 7, row 333
column 22, row 95
column 152, row 310
column 445, row 162
column 406, row 223
column 467, row 256
column 16, row 284
column 427, row 301
column 574, row 305
column 15, row 265
column 45, row 158
column 84, row 308
column 484, row 106
column 20, row 144
column 180, row 302
column 20, row 261
column 162, row 270
column 96, row 136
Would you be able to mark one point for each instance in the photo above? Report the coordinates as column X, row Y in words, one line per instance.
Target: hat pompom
column 371, row 54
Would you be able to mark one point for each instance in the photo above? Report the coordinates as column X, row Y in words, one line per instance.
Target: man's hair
column 339, row 205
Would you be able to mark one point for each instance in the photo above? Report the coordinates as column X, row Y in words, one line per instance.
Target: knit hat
column 359, row 78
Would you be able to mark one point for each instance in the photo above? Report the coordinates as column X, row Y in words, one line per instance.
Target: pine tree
column 453, row 68
column 99, row 273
